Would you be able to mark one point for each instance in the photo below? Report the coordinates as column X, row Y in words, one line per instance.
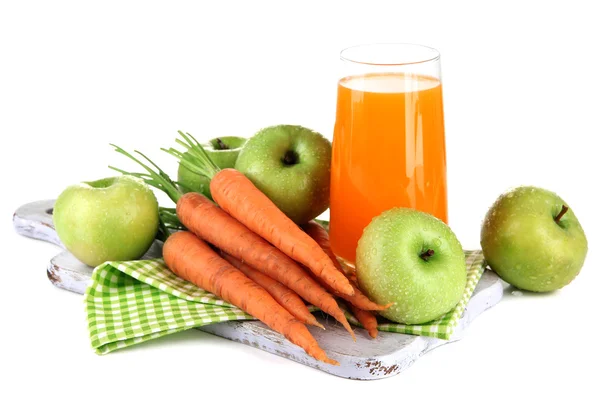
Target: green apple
column 112, row 219
column 532, row 239
column 414, row 260
column 291, row 165
column 223, row 151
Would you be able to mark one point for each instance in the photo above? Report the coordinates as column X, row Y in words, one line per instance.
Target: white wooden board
column 365, row 359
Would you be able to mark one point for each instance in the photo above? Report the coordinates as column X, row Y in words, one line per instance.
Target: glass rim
column 434, row 54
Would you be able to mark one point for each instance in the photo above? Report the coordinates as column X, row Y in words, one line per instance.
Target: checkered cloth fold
column 135, row 301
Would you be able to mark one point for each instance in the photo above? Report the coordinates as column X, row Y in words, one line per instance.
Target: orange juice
column 388, row 151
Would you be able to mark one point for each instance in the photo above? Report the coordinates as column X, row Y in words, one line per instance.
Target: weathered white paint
column 388, row 355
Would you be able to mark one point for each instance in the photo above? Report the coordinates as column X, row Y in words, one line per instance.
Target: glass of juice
column 388, row 143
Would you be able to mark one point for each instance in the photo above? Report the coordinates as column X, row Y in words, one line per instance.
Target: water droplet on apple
column 437, row 242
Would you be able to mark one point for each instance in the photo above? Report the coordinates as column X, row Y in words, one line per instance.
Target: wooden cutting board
column 365, row 359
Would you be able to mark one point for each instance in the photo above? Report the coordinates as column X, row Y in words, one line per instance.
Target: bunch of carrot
column 260, row 261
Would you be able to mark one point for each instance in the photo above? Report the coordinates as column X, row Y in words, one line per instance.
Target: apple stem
column 562, row 212
column 425, row 256
column 222, row 146
column 290, row 158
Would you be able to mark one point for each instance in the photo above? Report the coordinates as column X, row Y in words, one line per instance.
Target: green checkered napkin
column 135, row 301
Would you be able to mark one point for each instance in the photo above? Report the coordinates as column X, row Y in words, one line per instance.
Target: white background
column 521, row 92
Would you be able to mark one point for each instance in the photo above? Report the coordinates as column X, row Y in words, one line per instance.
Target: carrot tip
column 312, row 320
column 342, row 319
column 351, row 332
column 377, row 307
column 332, row 362
column 373, row 333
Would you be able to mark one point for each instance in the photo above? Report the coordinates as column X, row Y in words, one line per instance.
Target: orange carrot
column 281, row 293
column 366, row 318
column 214, row 225
column 237, row 195
column 210, row 223
column 320, row 235
column 193, row 260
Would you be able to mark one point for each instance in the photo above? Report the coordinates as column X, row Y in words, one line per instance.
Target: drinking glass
column 388, row 143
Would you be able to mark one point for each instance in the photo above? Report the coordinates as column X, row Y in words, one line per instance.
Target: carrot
column 366, row 318
column 281, row 293
column 238, row 196
column 320, row 235
column 210, row 223
column 193, row 260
